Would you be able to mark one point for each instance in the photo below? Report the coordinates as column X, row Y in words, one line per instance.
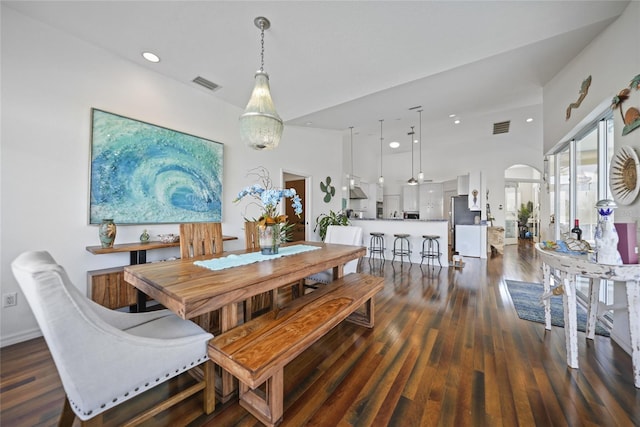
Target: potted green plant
column 332, row 218
column 525, row 212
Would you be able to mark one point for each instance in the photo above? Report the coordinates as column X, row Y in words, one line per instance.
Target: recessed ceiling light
column 451, row 115
column 456, row 121
column 394, row 144
column 530, row 119
column 151, row 57
column 308, row 123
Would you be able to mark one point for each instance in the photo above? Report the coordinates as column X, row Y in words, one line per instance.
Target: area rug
column 526, row 299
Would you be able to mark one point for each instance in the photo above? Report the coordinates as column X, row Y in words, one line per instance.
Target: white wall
column 612, row 60
column 50, row 82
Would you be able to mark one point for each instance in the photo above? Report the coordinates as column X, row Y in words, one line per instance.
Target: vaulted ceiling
column 335, row 64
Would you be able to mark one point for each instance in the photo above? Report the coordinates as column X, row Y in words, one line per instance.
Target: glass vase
column 269, row 236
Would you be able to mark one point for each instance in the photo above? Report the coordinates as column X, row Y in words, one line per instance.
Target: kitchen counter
column 397, row 219
column 415, row 228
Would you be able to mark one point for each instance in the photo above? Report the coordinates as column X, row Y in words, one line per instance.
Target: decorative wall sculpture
column 584, row 89
column 328, row 190
column 631, row 118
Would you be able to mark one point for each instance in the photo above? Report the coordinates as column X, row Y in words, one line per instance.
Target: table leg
column 570, row 318
column 592, row 310
column 228, row 320
column 135, row 258
column 633, row 301
column 338, row 271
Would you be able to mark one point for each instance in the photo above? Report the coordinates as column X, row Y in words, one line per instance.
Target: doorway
column 300, row 183
column 522, row 204
column 511, row 198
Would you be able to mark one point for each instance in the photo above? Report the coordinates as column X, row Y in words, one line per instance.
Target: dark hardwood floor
column 448, row 349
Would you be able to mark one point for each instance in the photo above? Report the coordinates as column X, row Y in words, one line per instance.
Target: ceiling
column 335, row 64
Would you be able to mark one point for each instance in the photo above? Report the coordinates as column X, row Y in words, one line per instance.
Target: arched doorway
column 522, row 185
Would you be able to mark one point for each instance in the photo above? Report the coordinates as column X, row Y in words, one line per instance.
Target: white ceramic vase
column 606, row 238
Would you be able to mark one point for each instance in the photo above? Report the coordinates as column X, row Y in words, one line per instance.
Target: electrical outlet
column 10, row 299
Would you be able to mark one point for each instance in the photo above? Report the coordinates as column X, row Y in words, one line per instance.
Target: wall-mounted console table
column 108, row 287
column 566, row 268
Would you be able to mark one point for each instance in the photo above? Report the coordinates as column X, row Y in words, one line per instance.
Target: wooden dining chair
column 262, row 303
column 196, row 239
column 200, row 238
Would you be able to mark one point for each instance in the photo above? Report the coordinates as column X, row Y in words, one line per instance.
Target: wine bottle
column 576, row 232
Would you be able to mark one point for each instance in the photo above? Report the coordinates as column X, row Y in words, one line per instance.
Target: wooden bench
column 257, row 351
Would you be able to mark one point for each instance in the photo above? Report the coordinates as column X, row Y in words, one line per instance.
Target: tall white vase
column 606, row 238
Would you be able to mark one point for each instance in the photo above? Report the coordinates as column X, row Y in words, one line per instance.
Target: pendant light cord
column 420, row 111
column 351, row 129
column 412, row 134
column 382, row 120
column 262, row 47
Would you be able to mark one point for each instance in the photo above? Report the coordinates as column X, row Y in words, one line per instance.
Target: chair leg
column 209, row 392
column 248, row 309
column 93, row 422
column 68, row 416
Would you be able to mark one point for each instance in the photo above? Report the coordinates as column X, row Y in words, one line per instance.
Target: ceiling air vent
column 501, row 127
column 206, row 83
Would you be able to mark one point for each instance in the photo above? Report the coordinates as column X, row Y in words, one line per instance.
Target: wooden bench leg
column 267, row 410
column 229, row 319
column 365, row 317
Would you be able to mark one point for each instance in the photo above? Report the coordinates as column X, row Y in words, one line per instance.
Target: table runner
column 249, row 258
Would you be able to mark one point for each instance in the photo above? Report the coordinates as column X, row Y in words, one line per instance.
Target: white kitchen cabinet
column 370, row 205
column 410, row 198
column 391, row 206
column 431, row 200
column 379, row 192
column 463, row 185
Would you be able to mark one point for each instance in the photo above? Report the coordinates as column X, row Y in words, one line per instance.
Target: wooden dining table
column 190, row 290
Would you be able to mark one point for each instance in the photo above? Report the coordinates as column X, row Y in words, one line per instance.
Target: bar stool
column 404, row 249
column 430, row 249
column 376, row 244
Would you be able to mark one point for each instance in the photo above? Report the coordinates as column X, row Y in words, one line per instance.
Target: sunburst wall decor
column 623, row 175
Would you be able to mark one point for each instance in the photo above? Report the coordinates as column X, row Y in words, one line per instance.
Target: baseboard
column 20, row 337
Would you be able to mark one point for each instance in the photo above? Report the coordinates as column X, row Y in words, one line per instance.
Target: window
column 579, row 178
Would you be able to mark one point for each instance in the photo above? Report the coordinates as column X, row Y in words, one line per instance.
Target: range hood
column 357, row 193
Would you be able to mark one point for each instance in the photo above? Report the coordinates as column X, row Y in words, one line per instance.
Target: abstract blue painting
column 147, row 174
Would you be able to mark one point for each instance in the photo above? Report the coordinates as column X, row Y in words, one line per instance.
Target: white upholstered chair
column 106, row 357
column 344, row 235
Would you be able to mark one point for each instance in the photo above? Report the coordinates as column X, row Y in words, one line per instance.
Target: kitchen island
column 415, row 228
